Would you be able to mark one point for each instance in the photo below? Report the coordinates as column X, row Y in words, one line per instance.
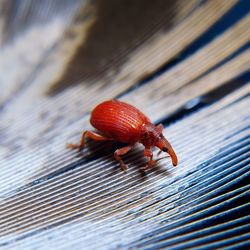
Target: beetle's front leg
column 151, row 162
column 87, row 134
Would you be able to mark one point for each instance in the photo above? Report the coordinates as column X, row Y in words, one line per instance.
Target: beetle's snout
column 165, row 146
column 173, row 155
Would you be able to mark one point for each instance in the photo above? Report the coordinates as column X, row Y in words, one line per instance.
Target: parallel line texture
column 54, row 198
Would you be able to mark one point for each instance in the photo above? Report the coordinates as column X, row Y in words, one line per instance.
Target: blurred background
column 183, row 63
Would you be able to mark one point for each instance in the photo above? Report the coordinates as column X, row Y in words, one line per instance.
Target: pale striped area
column 54, row 198
column 92, row 200
column 23, row 54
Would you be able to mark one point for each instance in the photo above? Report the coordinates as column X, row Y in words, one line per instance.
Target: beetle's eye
column 164, row 149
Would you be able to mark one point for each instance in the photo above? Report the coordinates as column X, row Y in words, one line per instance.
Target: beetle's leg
column 151, row 162
column 118, row 153
column 87, row 134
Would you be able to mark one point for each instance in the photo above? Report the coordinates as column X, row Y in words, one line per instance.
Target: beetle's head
column 152, row 136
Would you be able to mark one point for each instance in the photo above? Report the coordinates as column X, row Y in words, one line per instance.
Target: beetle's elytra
column 119, row 121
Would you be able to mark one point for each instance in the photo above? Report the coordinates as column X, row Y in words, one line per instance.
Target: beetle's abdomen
column 118, row 120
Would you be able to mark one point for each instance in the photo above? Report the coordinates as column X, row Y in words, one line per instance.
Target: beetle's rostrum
column 120, row 121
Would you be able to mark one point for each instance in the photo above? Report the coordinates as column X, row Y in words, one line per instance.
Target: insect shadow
column 134, row 159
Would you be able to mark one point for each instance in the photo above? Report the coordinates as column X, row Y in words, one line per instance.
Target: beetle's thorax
column 150, row 135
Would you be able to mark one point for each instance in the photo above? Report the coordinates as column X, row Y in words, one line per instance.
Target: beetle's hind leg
column 118, row 153
column 87, row 134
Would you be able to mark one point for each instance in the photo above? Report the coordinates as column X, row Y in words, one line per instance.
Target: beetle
column 120, row 121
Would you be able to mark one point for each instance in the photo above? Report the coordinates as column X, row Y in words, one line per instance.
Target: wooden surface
column 183, row 63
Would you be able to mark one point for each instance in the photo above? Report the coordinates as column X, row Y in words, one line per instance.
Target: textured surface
column 183, row 63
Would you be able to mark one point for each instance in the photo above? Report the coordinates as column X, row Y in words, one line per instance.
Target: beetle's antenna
column 164, row 157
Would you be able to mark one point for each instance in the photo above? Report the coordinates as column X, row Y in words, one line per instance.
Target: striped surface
column 190, row 70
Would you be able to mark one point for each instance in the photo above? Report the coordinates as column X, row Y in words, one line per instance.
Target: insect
column 119, row 121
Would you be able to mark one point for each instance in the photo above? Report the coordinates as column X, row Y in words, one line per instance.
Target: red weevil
column 119, row 121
